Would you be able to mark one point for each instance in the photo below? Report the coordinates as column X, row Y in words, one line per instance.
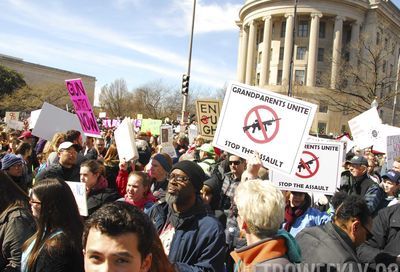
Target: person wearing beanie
column 192, row 238
column 160, row 166
column 12, row 165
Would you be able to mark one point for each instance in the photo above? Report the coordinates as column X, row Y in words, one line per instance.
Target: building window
column 301, row 53
column 281, row 52
column 344, row 129
column 384, row 66
column 323, row 106
column 321, row 127
column 386, row 43
column 321, row 54
column 279, row 79
column 283, row 29
column 303, row 29
column 378, row 38
column 258, row 79
column 322, row 26
column 299, row 76
column 259, row 57
column 260, row 34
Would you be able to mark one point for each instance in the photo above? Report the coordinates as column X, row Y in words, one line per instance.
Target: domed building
column 329, row 40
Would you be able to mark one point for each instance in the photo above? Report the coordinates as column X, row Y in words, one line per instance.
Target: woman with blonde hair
column 51, row 148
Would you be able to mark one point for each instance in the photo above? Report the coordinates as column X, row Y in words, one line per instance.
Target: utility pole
column 290, row 87
column 186, row 77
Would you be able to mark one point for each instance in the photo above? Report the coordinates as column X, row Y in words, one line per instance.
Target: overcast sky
column 138, row 40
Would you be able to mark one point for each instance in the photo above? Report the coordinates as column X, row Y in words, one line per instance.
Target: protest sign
column 151, row 125
column 274, row 125
column 11, row 115
column 53, row 119
column 33, row 118
column 102, row 114
column 79, row 191
column 192, row 133
column 207, row 112
column 361, row 125
column 125, row 141
column 318, row 169
column 392, row 149
column 166, row 140
column 15, row 124
column 139, row 116
column 377, row 136
column 82, row 106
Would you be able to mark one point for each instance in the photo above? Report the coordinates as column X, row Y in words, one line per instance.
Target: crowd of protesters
column 201, row 210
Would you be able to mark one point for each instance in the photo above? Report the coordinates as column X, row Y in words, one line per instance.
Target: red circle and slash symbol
column 308, row 165
column 204, row 119
column 264, row 117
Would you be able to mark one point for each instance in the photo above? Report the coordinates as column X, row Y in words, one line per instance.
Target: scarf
column 142, row 202
column 291, row 214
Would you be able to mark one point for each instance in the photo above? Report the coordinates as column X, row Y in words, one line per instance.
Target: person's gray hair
column 261, row 205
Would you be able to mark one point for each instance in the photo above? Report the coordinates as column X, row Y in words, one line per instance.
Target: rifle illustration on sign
column 256, row 125
column 302, row 165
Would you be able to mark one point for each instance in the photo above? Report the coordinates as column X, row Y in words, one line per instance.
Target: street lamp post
column 290, row 87
column 185, row 94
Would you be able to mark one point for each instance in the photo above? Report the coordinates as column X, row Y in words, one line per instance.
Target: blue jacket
column 312, row 217
column 199, row 241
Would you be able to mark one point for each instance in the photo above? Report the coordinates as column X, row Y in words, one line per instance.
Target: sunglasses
column 234, row 162
column 178, row 178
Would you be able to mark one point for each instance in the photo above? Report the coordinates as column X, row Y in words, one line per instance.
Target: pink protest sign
column 82, row 107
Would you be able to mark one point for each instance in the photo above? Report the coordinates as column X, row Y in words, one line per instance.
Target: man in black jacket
column 332, row 247
column 360, row 184
column 383, row 249
column 67, row 168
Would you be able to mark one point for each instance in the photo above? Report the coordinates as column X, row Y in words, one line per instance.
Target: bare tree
column 116, row 99
column 369, row 78
column 28, row 99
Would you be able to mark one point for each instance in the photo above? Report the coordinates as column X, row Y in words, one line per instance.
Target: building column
column 287, row 55
column 250, row 53
column 337, row 49
column 239, row 70
column 266, row 51
column 355, row 37
column 313, row 50
column 243, row 54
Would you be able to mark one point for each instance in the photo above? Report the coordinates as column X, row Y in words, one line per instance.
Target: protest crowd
column 182, row 204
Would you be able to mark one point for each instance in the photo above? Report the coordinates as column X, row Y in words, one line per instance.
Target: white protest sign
column 79, row 191
column 53, row 119
column 361, row 125
column 33, row 118
column 348, row 143
column 125, row 141
column 393, row 149
column 102, row 114
column 377, row 136
column 11, row 115
column 274, row 125
column 166, row 140
column 318, row 170
column 192, row 133
column 15, row 124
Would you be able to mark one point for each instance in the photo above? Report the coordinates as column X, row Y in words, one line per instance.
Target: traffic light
column 185, row 84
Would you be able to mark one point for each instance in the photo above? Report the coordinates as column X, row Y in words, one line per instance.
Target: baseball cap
column 25, row 134
column 207, row 148
column 358, row 160
column 392, row 176
column 66, row 145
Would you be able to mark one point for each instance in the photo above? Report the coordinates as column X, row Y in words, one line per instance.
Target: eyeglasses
column 178, row 178
column 234, row 162
column 31, row 201
column 369, row 233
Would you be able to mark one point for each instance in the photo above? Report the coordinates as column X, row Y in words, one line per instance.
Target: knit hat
column 194, row 172
column 9, row 160
column 163, row 161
